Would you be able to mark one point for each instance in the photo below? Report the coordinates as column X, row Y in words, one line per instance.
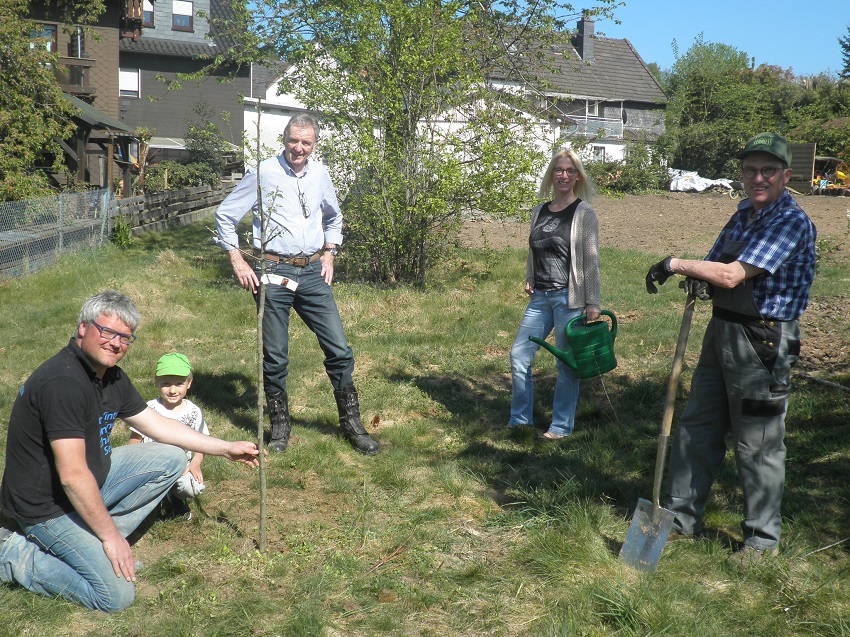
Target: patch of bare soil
column 687, row 224
column 669, row 223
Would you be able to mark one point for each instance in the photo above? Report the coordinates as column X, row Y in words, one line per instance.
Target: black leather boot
column 278, row 406
column 348, row 406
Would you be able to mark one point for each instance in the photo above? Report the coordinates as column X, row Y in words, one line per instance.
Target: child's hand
column 195, row 470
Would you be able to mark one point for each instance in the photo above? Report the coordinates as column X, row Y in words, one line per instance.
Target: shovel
column 651, row 524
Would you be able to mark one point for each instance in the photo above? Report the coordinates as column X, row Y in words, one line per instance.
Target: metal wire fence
column 35, row 232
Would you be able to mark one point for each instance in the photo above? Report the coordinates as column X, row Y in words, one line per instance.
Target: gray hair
column 302, row 120
column 584, row 188
column 110, row 303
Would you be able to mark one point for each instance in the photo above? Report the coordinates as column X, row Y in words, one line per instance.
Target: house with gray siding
column 87, row 72
column 175, row 40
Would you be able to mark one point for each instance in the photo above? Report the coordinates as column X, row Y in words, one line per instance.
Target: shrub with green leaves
column 171, row 175
column 122, row 232
column 641, row 171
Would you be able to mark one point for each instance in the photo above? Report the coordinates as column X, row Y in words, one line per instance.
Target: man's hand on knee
column 118, row 551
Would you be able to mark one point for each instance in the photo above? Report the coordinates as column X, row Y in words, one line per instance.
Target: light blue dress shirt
column 303, row 212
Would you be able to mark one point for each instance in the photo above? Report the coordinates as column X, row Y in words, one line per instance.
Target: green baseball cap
column 173, row 365
column 769, row 143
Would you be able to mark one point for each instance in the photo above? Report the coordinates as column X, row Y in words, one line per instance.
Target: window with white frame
column 598, row 153
column 592, row 108
column 181, row 15
column 147, row 12
column 128, row 83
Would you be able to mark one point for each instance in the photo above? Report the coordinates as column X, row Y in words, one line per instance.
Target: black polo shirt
column 63, row 398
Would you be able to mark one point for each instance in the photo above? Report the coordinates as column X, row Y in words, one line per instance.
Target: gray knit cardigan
column 585, row 288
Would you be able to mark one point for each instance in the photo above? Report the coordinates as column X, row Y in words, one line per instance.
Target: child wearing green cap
column 173, row 379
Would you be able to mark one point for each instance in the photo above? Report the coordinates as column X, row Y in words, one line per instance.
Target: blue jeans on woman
column 314, row 302
column 62, row 557
column 546, row 309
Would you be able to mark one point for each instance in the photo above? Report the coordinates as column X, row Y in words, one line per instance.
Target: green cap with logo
column 173, row 364
column 769, row 143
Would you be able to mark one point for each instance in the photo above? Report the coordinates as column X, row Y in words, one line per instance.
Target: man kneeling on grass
column 69, row 499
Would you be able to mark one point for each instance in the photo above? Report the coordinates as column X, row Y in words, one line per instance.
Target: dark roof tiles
column 617, row 72
column 167, row 47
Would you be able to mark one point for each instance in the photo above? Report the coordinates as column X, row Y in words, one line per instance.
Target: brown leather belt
column 298, row 262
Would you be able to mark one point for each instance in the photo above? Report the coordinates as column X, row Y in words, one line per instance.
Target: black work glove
column 660, row 272
column 699, row 288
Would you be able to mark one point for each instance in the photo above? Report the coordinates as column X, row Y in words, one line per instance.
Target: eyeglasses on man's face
column 768, row 172
column 108, row 334
column 572, row 172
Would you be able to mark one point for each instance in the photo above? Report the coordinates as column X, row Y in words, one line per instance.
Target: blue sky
column 800, row 35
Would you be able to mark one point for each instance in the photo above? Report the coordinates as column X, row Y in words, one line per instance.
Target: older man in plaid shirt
column 758, row 276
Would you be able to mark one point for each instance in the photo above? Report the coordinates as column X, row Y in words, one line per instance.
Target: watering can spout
column 566, row 356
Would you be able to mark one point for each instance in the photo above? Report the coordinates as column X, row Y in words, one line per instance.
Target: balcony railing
column 133, row 9
column 73, row 75
column 132, row 17
column 598, row 127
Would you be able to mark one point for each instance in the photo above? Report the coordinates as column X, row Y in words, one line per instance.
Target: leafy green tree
column 34, row 115
column 845, row 55
column 713, row 107
column 205, row 141
column 76, row 12
column 718, row 101
column 33, row 112
column 823, row 115
column 642, row 170
column 207, row 148
column 419, row 126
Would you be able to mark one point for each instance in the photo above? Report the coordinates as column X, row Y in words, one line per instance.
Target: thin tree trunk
column 261, row 306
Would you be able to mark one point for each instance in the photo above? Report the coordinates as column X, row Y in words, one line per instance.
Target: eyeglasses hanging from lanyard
column 303, row 199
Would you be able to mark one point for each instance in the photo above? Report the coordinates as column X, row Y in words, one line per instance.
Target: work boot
column 748, row 556
column 348, row 406
column 278, row 406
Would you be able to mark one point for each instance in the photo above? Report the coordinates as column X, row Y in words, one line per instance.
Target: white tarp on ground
column 690, row 181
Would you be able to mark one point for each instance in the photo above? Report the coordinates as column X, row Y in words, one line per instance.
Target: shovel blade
column 647, row 535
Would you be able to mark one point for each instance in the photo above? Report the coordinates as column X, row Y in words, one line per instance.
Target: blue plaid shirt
column 780, row 240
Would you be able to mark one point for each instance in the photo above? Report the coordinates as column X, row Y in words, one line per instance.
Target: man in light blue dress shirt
column 303, row 231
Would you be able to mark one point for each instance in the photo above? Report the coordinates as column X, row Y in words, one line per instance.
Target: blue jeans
column 62, row 557
column 546, row 309
column 314, row 302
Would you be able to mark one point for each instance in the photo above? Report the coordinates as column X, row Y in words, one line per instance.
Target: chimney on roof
column 584, row 45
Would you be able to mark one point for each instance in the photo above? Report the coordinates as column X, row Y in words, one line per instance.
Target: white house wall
column 277, row 110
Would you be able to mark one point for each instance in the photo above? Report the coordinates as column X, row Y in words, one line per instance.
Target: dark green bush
column 641, row 171
column 170, row 175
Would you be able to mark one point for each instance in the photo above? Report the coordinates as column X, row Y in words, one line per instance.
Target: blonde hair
column 583, row 188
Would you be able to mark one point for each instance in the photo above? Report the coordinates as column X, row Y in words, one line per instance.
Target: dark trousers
column 313, row 301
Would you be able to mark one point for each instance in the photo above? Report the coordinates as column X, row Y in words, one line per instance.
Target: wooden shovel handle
column 670, row 400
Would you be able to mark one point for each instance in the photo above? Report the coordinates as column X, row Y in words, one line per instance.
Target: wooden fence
column 171, row 208
column 35, row 232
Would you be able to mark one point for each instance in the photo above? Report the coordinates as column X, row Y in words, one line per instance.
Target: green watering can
column 591, row 351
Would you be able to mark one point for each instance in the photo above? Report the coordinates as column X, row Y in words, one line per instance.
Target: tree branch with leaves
column 421, row 109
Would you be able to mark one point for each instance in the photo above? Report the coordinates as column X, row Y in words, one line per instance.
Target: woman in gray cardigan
column 562, row 282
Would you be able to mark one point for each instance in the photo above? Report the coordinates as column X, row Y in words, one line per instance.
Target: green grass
column 459, row 527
